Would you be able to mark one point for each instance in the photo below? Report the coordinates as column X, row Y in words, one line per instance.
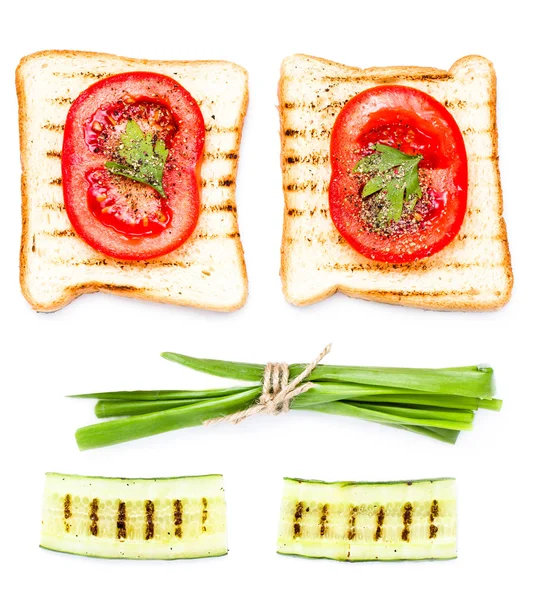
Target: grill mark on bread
column 320, row 106
column 213, row 128
column 473, row 131
column 107, row 287
column 338, row 104
column 299, row 212
column 55, row 181
column 56, row 206
column 319, row 158
column 182, row 264
column 488, row 157
column 214, row 236
column 464, row 104
column 420, row 294
column 315, row 158
column 83, row 74
column 312, row 186
column 209, row 156
column 98, row 262
column 221, row 155
column 381, row 79
column 226, row 181
column 407, row 267
column 62, row 100
column 59, row 233
column 475, row 237
column 53, row 126
column 340, row 241
column 322, row 133
column 225, row 207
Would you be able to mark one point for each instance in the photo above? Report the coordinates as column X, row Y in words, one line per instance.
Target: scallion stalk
column 139, row 426
column 438, row 403
column 462, row 381
column 156, row 395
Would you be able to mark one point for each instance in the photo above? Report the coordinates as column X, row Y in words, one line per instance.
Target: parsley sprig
column 142, row 160
column 394, row 179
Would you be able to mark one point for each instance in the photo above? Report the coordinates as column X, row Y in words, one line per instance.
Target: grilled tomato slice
column 131, row 158
column 398, row 189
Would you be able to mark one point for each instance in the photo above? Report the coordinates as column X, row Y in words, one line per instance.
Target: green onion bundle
column 438, row 403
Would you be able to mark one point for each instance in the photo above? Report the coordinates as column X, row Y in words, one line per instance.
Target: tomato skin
column 181, row 179
column 415, row 122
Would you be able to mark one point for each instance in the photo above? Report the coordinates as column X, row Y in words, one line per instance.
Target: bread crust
column 458, row 300
column 74, row 291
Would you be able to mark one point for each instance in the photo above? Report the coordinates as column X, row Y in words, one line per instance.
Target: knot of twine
column 277, row 391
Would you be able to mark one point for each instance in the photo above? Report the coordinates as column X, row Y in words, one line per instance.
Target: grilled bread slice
column 208, row 271
column 472, row 273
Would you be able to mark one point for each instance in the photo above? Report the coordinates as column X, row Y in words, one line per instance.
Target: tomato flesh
column 120, row 217
column 415, row 123
column 109, row 202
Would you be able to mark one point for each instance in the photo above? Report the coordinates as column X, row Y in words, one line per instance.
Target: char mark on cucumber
column 178, row 518
column 380, row 520
column 352, row 530
column 67, row 512
column 407, row 518
column 298, row 516
column 324, row 521
column 150, row 525
column 94, row 517
column 121, row 526
column 204, row 514
column 434, row 513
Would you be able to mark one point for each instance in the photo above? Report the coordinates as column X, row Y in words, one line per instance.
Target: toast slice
column 56, row 266
column 472, row 273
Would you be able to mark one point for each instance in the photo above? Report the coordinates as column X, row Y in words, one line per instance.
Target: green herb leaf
column 142, row 160
column 395, row 177
column 395, row 196
column 373, row 185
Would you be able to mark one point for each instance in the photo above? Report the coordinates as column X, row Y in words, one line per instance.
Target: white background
column 102, row 342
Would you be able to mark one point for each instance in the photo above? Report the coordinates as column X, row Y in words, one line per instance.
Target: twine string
column 278, row 392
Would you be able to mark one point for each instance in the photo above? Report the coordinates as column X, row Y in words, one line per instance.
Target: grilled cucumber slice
column 182, row 517
column 353, row 521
